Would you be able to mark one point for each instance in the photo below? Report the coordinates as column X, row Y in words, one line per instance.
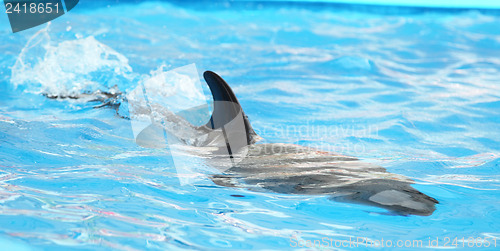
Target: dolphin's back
column 280, row 168
column 293, row 169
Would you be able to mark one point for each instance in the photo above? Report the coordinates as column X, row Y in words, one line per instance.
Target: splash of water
column 70, row 67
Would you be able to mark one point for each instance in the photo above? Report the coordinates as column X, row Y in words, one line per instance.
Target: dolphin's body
column 287, row 168
column 294, row 169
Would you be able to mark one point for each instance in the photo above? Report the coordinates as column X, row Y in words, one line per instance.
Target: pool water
column 415, row 92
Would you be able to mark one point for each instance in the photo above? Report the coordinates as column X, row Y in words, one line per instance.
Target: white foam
column 177, row 89
column 68, row 67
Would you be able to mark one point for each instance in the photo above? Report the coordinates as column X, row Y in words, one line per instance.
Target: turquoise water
column 417, row 93
column 413, row 3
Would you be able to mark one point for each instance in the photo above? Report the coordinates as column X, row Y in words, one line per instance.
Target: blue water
column 417, row 93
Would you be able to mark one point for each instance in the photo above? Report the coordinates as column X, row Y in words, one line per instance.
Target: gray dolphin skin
column 294, row 169
column 274, row 167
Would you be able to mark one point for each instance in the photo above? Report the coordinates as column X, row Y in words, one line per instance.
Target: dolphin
column 294, row 169
column 277, row 167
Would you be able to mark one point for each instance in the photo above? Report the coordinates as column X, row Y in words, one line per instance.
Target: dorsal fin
column 226, row 106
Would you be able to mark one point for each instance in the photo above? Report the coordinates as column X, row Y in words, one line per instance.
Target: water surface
column 416, row 93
